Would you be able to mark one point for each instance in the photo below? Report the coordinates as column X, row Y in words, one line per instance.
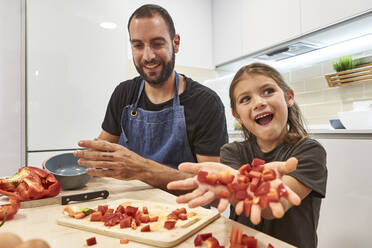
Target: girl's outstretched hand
column 250, row 195
column 203, row 193
column 286, row 194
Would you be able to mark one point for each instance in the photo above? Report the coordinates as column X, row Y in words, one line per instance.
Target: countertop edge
column 320, row 134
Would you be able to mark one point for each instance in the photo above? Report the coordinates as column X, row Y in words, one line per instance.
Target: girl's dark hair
column 295, row 120
column 149, row 10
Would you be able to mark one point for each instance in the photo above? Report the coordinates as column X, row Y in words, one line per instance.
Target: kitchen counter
column 40, row 222
column 319, row 134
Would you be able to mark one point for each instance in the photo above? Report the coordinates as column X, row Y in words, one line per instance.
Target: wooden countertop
column 40, row 222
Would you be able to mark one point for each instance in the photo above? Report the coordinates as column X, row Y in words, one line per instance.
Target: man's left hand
column 110, row 160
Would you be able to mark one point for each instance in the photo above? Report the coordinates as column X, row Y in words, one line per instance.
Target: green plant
column 345, row 63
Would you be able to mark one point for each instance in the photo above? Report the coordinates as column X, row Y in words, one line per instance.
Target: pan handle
column 84, row 196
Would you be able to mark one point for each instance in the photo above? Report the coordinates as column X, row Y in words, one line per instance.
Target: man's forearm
column 159, row 175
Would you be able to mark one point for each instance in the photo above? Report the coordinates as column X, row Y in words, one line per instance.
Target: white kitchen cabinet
column 345, row 215
column 269, row 22
column 244, row 27
column 317, row 14
column 227, row 30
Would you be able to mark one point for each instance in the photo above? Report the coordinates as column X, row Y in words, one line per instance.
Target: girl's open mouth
column 264, row 119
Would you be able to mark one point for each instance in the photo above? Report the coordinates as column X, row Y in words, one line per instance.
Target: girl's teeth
column 261, row 116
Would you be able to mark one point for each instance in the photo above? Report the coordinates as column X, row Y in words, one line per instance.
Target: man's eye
column 245, row 99
column 157, row 45
column 268, row 91
column 137, row 46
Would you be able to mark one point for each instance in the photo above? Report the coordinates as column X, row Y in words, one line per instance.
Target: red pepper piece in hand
column 257, row 162
column 30, row 183
column 9, row 209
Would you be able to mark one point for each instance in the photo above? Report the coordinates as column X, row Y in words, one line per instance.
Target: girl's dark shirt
column 298, row 225
column 204, row 114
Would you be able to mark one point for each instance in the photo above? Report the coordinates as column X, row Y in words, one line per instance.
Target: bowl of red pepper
column 67, row 171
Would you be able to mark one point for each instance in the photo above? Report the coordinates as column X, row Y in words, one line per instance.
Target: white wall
column 12, row 122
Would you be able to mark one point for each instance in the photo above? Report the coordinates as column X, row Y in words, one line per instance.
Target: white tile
column 306, row 73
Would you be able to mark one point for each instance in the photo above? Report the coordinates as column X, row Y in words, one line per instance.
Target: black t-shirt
column 204, row 114
column 298, row 225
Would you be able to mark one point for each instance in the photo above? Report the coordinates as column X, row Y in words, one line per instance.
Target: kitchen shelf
column 354, row 76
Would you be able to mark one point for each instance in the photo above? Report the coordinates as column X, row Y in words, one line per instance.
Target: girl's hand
column 205, row 193
column 276, row 209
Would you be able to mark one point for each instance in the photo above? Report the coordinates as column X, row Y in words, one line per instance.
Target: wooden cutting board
column 159, row 236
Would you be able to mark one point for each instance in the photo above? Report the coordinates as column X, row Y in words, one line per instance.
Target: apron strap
column 139, row 95
column 176, row 99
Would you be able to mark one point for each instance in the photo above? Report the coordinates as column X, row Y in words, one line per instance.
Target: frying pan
column 67, row 171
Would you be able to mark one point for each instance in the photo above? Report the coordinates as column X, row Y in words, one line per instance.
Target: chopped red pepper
column 146, row 228
column 30, row 183
column 268, row 175
column 169, row 224
column 198, row 240
column 91, row 241
column 202, row 176
column 225, row 177
column 282, row 190
column 205, row 236
column 257, row 162
column 7, row 211
column 245, row 169
column 263, row 189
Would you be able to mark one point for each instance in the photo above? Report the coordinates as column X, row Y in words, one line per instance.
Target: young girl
column 273, row 128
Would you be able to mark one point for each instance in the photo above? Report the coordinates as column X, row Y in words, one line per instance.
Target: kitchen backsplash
column 319, row 102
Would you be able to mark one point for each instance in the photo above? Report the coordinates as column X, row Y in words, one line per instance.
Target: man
column 160, row 118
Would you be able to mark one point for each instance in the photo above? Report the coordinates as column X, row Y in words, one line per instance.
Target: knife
column 63, row 200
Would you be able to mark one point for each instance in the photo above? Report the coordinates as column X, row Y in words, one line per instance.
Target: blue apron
column 157, row 135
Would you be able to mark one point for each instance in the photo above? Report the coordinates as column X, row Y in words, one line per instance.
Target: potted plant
column 345, row 63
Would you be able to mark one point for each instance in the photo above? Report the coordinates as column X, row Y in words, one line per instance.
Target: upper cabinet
column 317, row 14
column 242, row 27
column 227, row 30
column 269, row 22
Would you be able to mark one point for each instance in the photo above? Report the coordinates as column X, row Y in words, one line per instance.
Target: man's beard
column 164, row 74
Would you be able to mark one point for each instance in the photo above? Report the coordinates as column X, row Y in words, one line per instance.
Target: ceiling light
column 108, row 25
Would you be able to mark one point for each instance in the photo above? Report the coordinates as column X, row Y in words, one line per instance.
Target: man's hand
column 110, row 160
column 205, row 193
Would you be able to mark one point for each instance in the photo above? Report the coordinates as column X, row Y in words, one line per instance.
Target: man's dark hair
column 149, row 10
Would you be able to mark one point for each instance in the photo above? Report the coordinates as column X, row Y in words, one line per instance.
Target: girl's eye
column 268, row 91
column 245, row 99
